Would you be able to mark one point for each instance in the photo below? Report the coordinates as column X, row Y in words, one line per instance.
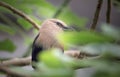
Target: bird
column 47, row 37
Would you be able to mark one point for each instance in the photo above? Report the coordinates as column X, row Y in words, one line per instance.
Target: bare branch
column 78, row 54
column 108, row 13
column 27, row 61
column 4, row 66
column 17, row 62
column 8, row 71
column 96, row 15
column 18, row 12
column 65, row 3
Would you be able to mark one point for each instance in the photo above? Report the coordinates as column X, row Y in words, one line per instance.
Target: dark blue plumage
column 36, row 50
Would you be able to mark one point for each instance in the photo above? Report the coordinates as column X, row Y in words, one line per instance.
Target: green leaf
column 83, row 37
column 55, row 59
column 44, row 8
column 25, row 24
column 7, row 45
column 35, row 2
column 104, row 69
column 37, row 20
column 7, row 29
column 46, row 12
column 48, row 73
column 109, row 30
column 101, row 49
column 22, row 71
column 58, row 73
column 117, row 3
column 72, row 19
column 10, row 2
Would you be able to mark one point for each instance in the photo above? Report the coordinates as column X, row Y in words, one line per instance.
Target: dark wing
column 36, row 50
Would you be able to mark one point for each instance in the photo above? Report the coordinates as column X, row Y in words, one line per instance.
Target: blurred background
column 20, row 37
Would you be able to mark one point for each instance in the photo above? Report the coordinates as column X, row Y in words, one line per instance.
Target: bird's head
column 54, row 25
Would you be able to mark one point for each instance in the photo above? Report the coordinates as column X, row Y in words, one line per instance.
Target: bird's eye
column 59, row 24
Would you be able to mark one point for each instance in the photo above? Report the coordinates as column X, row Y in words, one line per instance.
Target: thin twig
column 18, row 12
column 108, row 13
column 11, row 73
column 96, row 15
column 60, row 9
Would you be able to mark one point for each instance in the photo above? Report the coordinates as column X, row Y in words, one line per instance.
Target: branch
column 108, row 13
column 16, row 62
column 27, row 60
column 24, row 61
column 8, row 71
column 96, row 15
column 18, row 12
column 78, row 54
column 60, row 9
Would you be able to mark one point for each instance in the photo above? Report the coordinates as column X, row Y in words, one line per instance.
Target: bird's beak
column 68, row 28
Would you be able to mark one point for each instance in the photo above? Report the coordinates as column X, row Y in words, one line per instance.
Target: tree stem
column 108, row 13
column 60, row 9
column 96, row 15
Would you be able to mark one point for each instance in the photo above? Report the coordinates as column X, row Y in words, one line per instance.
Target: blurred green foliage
column 55, row 59
column 53, row 63
column 37, row 10
column 83, row 37
column 7, row 29
column 111, row 31
column 25, row 24
column 117, row 4
column 7, row 45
